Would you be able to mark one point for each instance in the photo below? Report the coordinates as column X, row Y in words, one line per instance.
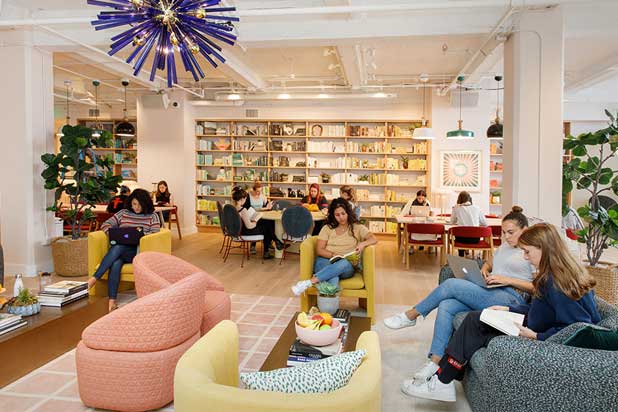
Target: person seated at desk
column 421, row 200
column 163, row 197
column 258, row 201
column 509, row 268
column 347, row 192
column 139, row 214
column 562, row 294
column 251, row 227
column 340, row 235
column 467, row 214
column 117, row 203
column 315, row 201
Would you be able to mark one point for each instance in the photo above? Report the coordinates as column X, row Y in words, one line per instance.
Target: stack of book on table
column 300, row 353
column 62, row 293
column 9, row 322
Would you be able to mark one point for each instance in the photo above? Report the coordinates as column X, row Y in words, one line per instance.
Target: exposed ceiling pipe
column 360, row 64
column 84, row 76
column 73, row 100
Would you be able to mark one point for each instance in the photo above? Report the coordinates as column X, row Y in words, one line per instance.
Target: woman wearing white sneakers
column 453, row 296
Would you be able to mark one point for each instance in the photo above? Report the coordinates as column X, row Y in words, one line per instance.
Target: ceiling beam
column 349, row 66
column 593, row 74
column 236, row 69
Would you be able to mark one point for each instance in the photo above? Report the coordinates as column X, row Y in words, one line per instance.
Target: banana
column 303, row 320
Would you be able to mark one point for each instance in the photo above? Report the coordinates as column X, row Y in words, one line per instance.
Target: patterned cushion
column 321, row 376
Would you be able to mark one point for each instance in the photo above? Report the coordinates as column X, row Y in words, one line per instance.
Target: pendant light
column 96, row 132
column 67, row 84
column 460, row 133
column 423, row 132
column 125, row 129
column 494, row 131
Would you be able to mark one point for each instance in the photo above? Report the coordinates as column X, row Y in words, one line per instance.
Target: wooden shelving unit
column 495, row 176
column 292, row 154
column 124, row 151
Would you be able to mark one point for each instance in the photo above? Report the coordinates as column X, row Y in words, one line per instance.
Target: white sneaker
column 431, row 389
column 426, row 372
column 399, row 321
column 301, row 286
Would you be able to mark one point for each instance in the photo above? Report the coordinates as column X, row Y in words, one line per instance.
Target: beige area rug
column 261, row 320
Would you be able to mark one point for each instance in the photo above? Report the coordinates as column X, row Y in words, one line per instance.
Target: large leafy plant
column 76, row 170
column 590, row 171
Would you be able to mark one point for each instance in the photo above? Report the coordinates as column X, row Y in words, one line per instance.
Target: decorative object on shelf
column 495, row 130
column 291, row 192
column 125, row 129
column 460, row 133
column 328, row 300
column 325, row 177
column 18, row 285
column 404, row 162
column 300, row 194
column 67, row 85
column 423, row 132
column 495, row 198
column 96, row 132
column 316, row 130
column 186, row 27
column 460, row 170
column 24, row 303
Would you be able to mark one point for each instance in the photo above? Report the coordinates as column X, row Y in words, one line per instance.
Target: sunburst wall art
column 171, row 29
column 460, row 170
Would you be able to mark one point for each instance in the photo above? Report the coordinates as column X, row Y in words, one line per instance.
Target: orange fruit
column 328, row 318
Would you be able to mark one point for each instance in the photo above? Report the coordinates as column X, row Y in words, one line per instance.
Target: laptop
column 468, row 269
column 419, row 211
column 129, row 236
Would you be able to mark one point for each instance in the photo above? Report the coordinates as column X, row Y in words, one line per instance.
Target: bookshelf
column 124, row 151
column 496, row 163
column 378, row 158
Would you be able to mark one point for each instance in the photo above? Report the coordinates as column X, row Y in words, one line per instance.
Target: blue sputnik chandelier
column 186, row 27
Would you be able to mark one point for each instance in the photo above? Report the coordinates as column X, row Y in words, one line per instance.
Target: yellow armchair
column 206, row 379
column 98, row 245
column 361, row 285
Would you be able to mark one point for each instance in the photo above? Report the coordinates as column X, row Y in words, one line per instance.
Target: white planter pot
column 328, row 304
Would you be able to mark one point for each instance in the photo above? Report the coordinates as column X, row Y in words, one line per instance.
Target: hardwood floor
column 394, row 284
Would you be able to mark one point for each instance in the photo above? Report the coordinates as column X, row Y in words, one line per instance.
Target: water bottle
column 19, row 285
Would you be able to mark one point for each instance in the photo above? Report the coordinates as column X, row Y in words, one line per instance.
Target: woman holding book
column 340, row 235
column 251, row 224
column 315, row 201
column 141, row 214
column 562, row 295
column 508, row 268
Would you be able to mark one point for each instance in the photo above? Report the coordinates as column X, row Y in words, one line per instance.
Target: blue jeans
column 332, row 272
column 459, row 295
column 113, row 260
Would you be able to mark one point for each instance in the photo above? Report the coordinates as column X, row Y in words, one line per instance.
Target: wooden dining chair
column 233, row 226
column 173, row 218
column 483, row 233
column 496, row 233
column 434, row 229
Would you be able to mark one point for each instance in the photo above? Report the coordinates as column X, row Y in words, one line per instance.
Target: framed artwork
column 460, row 170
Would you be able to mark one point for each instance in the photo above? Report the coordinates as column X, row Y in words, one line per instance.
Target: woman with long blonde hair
column 562, row 295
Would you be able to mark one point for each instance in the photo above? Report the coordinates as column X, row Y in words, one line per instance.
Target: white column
column 533, row 73
column 26, row 115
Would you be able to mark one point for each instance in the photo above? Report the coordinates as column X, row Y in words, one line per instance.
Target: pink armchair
column 155, row 271
column 126, row 360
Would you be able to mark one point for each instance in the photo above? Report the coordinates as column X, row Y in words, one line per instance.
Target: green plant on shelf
column 23, row 298
column 364, row 178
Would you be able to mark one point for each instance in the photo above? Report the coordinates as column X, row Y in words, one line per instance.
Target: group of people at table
column 540, row 278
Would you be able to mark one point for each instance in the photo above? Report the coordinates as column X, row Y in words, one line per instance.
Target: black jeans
column 263, row 227
column 113, row 260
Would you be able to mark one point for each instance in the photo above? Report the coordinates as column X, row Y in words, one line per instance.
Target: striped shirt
column 126, row 218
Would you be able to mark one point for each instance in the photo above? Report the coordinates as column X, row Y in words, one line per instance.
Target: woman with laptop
column 125, row 229
column 562, row 295
column 453, row 296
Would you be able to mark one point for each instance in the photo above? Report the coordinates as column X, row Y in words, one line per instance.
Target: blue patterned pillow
column 325, row 375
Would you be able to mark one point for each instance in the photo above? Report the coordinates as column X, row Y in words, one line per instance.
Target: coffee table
column 278, row 356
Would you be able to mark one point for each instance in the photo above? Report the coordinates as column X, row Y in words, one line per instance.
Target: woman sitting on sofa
column 562, row 295
column 141, row 214
column 453, row 296
column 340, row 235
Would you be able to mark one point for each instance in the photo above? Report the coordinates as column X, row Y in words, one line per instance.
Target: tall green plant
column 586, row 171
column 76, row 170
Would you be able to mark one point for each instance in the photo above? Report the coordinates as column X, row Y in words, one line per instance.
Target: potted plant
column 588, row 170
column 404, row 162
column 328, row 301
column 86, row 179
column 24, row 304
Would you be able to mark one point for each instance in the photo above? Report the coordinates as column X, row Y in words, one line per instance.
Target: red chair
column 426, row 229
column 496, row 232
column 100, row 218
column 484, row 233
column 571, row 234
column 173, row 218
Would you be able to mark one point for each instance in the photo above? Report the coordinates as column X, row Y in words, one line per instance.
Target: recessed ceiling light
column 323, row 96
column 379, row 95
column 233, row 96
column 283, row 96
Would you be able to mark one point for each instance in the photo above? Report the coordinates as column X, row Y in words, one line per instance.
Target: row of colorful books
column 10, row 322
column 62, row 293
column 300, row 353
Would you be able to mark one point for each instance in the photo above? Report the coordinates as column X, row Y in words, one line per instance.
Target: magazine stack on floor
column 62, row 293
column 10, row 322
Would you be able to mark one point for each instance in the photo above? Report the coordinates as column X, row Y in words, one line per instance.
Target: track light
column 233, row 96
column 284, row 96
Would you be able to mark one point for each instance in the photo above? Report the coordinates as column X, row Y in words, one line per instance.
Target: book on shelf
column 65, row 287
column 343, row 316
column 502, row 320
column 351, row 256
column 55, row 300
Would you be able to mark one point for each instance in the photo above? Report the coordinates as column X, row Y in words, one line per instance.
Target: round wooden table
column 276, row 216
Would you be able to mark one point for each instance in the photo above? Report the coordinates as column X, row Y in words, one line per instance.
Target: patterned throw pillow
column 325, row 375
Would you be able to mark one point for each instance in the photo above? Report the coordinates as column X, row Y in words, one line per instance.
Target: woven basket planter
column 70, row 256
column 606, row 275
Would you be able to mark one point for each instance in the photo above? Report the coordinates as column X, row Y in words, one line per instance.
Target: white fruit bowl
column 319, row 337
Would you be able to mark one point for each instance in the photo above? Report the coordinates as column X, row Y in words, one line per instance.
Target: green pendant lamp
column 494, row 131
column 460, row 133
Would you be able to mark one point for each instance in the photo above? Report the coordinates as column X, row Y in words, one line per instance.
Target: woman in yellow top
column 340, row 235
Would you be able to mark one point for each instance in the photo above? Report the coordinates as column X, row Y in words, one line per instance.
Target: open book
column 254, row 215
column 503, row 321
column 351, row 256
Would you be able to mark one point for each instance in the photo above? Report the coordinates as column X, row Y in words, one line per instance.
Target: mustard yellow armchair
column 361, row 285
column 98, row 244
column 206, row 379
